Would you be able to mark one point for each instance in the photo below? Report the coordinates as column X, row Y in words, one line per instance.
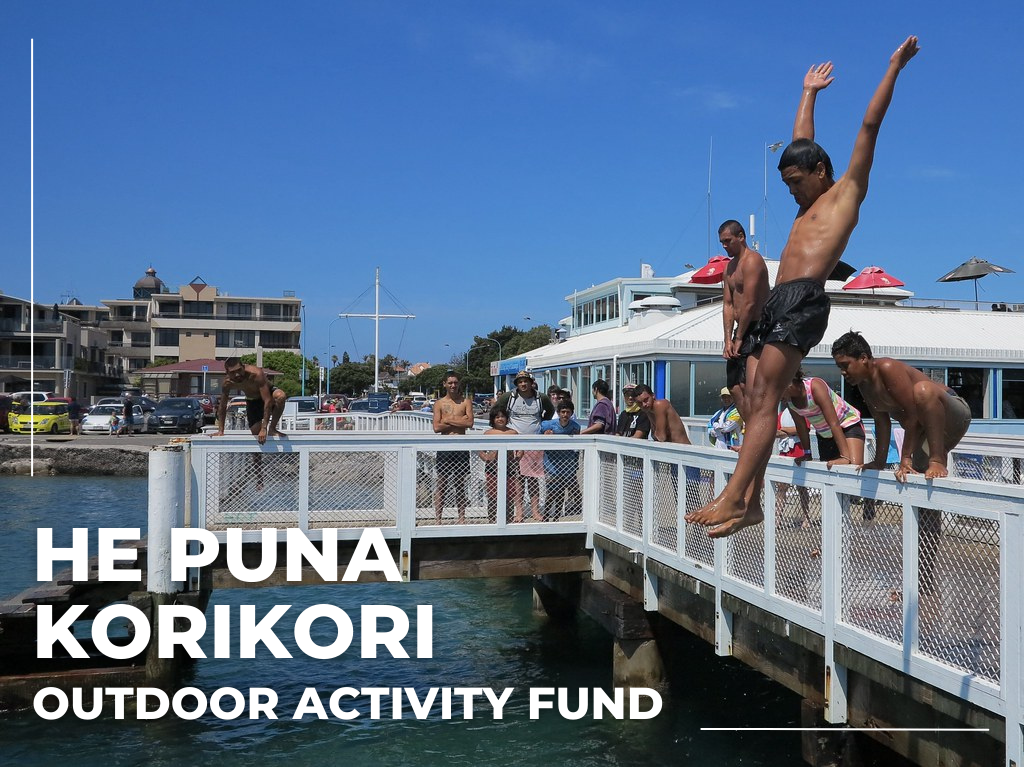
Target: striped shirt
column 847, row 414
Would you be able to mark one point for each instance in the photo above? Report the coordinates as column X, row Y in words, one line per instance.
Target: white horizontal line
column 844, row 729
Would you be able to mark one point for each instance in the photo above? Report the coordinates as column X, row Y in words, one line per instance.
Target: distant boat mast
column 377, row 317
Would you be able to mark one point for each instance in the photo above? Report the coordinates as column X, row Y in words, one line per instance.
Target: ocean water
column 485, row 634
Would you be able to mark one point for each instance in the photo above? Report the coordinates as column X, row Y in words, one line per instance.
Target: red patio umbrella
column 713, row 271
column 873, row 277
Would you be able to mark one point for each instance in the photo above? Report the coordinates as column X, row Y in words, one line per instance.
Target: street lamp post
column 302, row 351
column 773, row 148
column 329, row 347
column 478, row 346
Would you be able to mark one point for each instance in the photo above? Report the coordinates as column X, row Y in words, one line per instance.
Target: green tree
column 351, row 378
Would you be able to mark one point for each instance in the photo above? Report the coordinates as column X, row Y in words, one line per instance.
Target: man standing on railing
column 453, row 414
column 264, row 403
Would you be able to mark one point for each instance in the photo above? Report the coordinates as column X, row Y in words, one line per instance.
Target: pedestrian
column 726, row 425
column 602, row 415
column 453, row 414
column 498, row 420
column 560, row 467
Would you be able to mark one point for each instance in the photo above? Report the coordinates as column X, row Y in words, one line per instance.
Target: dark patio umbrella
column 713, row 271
column 973, row 269
column 873, row 277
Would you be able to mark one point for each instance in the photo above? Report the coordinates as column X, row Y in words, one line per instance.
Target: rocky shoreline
column 81, row 461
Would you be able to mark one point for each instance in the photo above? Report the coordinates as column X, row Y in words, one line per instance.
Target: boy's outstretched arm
column 818, row 78
column 864, row 146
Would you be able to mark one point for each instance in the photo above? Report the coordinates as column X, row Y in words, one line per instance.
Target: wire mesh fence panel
column 744, row 554
column 251, row 490
column 988, row 468
column 609, row 486
column 700, row 490
column 451, row 488
column 562, row 489
column 798, row 543
column 357, row 489
column 666, row 505
column 632, row 494
column 872, row 566
column 959, row 591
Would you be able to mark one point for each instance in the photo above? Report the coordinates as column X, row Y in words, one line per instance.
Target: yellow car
column 50, row 417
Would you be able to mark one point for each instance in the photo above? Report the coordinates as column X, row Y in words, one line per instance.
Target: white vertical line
column 32, row 254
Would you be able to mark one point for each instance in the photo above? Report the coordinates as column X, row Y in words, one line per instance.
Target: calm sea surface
column 485, row 635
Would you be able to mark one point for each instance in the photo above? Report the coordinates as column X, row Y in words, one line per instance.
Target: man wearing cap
column 633, row 422
column 526, row 408
column 725, row 425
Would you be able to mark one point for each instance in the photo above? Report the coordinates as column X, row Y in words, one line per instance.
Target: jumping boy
column 796, row 315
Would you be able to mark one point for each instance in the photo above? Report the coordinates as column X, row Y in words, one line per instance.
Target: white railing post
column 1011, row 650
column 832, row 555
column 304, row 487
column 405, row 517
column 166, row 511
column 723, row 617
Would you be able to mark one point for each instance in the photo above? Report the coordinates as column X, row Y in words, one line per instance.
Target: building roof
column 913, row 334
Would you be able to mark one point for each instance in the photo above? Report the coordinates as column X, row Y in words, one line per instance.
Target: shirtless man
column 934, row 416
column 264, row 403
column 795, row 316
column 666, row 426
column 744, row 293
column 453, row 414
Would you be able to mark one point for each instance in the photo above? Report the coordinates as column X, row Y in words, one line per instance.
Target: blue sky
column 489, row 157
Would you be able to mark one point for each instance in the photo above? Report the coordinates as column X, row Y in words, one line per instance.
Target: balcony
column 22, row 326
column 26, row 362
column 221, row 317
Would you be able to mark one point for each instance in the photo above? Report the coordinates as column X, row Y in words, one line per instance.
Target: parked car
column 209, row 403
column 34, row 396
column 148, row 405
column 98, row 419
column 181, row 414
column 43, row 417
column 235, row 418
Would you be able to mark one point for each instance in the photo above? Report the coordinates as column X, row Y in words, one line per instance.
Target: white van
column 34, row 396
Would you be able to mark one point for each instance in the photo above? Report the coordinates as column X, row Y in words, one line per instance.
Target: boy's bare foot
column 749, row 519
column 718, row 512
column 936, row 469
column 275, row 433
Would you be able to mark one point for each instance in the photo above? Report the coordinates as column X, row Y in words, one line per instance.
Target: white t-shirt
column 525, row 413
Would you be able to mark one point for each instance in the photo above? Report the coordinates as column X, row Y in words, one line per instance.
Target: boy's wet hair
column 453, row 374
column 851, row 344
column 805, row 155
column 601, row 387
column 566, row 404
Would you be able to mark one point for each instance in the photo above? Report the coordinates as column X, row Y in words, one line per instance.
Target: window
column 1013, row 394
column 969, row 383
column 236, row 338
column 709, row 378
column 166, row 336
column 238, row 310
column 679, row 386
column 140, row 338
column 276, row 339
column 601, row 310
column 198, row 309
column 613, row 307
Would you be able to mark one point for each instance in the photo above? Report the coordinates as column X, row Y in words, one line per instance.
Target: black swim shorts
column 796, row 314
column 254, row 408
column 453, row 464
column 736, row 367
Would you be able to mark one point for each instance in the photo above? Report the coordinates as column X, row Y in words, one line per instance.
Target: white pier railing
column 925, row 577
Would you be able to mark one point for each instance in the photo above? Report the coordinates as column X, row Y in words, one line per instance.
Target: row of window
column 597, row 310
column 693, row 387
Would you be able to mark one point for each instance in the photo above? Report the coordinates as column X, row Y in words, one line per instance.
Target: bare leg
column 728, row 512
column 442, row 484
column 277, row 405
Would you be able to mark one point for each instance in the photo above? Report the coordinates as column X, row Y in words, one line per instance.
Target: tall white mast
column 377, row 317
